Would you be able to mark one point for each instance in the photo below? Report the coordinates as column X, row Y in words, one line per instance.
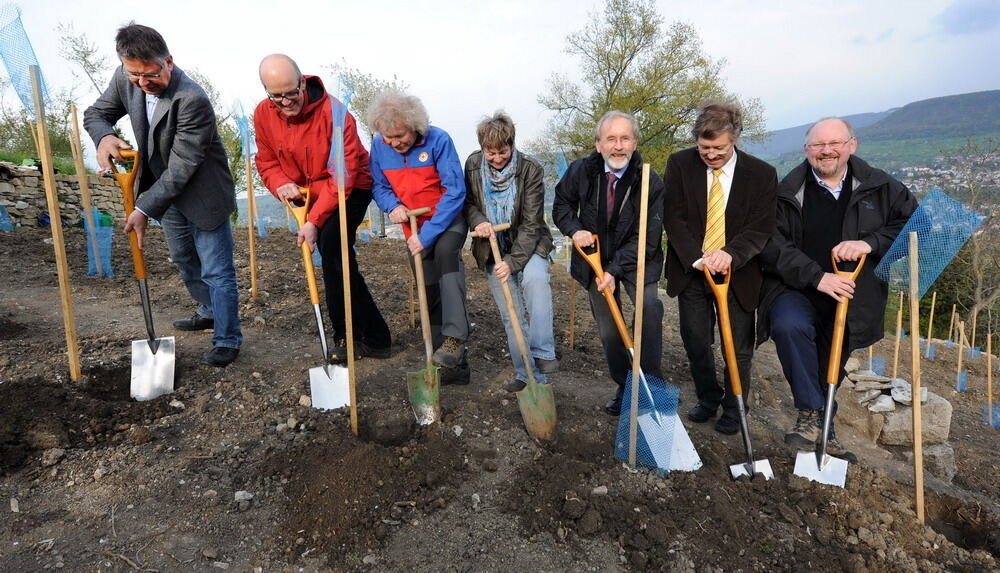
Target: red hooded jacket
column 296, row 150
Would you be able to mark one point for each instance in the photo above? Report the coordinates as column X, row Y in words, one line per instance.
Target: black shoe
column 547, row 366
column 728, row 423
column 701, row 413
column 614, row 406
column 221, row 356
column 338, row 352
column 196, row 322
column 515, row 385
column 457, row 376
column 372, row 351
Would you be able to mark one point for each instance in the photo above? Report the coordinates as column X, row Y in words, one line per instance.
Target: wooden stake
column 571, row 335
column 951, row 325
column 961, row 341
column 899, row 334
column 640, row 297
column 346, row 270
column 251, row 221
column 918, row 438
column 81, row 177
column 930, row 326
column 55, row 224
column 989, row 375
column 871, row 358
column 972, row 334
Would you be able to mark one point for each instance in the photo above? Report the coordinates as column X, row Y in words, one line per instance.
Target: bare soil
column 93, row 481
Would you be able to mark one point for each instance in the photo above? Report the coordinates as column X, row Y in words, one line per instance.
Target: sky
column 803, row 59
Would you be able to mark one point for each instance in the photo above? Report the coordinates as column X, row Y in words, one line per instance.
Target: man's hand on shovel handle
column 136, row 221
column 398, row 215
column 607, row 282
column 836, row 286
column 414, row 244
column 484, row 229
column 307, row 234
column 583, row 239
column 108, row 151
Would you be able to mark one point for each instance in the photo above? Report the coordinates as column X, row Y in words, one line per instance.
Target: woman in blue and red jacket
column 414, row 165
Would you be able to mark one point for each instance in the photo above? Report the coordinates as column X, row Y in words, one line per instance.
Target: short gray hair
column 138, row 42
column 847, row 124
column 391, row 107
column 612, row 115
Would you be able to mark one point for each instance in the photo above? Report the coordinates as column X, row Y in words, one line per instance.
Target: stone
column 935, row 422
column 210, row 553
column 305, row 400
column 882, row 404
column 52, row 456
column 599, row 490
column 865, row 386
column 902, row 392
column 868, row 396
column 853, row 365
column 139, row 435
column 939, row 461
column 176, row 404
column 867, row 376
column 243, row 495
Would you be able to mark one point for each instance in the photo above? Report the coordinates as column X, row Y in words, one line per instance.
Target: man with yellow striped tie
column 719, row 206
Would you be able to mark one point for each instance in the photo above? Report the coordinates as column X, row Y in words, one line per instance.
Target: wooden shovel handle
column 515, row 322
column 127, row 183
column 418, row 266
column 594, row 260
column 721, row 292
column 496, row 229
column 840, row 323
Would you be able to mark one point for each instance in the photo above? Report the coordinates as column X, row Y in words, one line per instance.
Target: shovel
column 682, row 455
column 536, row 401
column 328, row 384
column 153, row 358
column 750, row 468
column 820, row 466
column 423, row 386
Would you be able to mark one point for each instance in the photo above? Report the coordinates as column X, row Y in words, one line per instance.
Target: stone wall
column 24, row 197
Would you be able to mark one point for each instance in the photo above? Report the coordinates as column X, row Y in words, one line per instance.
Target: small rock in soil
column 599, row 490
column 52, row 456
column 210, row 553
column 140, row 435
column 305, row 401
column 243, row 495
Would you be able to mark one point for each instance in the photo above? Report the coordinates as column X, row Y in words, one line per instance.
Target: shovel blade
column 329, row 387
column 832, row 471
column 424, row 389
column 152, row 374
column 538, row 410
column 760, row 468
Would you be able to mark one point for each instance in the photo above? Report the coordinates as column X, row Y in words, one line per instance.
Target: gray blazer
column 183, row 161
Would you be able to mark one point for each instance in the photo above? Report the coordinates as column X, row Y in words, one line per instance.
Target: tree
column 631, row 63
column 78, row 49
column 363, row 88
column 226, row 124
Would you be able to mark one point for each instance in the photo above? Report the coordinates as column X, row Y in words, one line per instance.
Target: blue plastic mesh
column 974, row 353
column 878, row 365
column 942, row 225
column 931, row 353
column 961, row 381
column 103, row 234
column 561, row 164
column 6, row 223
column 996, row 415
column 658, row 402
column 18, row 55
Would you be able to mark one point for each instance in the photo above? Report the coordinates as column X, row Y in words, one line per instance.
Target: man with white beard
column 599, row 194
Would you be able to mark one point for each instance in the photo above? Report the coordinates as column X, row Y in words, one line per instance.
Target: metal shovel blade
column 831, row 470
column 424, row 389
column 760, row 468
column 152, row 374
column 329, row 387
column 538, row 410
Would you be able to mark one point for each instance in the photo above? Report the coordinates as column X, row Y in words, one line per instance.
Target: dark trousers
column 696, row 305
column 444, row 275
column 619, row 360
column 803, row 334
column 369, row 326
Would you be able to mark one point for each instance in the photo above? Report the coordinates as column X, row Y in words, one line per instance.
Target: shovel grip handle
column 840, row 324
column 299, row 212
column 721, row 292
column 127, row 183
column 496, row 229
column 594, row 260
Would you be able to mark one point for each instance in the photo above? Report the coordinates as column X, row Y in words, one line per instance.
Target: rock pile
column 23, row 194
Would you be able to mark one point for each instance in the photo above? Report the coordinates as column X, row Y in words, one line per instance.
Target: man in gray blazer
column 183, row 181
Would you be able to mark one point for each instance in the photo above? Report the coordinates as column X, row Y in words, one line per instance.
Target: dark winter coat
column 529, row 234
column 576, row 208
column 878, row 210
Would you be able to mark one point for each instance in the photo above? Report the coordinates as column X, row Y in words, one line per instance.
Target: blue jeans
column 531, row 287
column 205, row 261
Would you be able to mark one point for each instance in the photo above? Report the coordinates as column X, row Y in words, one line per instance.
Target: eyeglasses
column 285, row 96
column 139, row 76
column 832, row 144
column 612, row 140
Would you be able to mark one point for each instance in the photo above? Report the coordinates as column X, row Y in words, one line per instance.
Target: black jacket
column 576, row 208
column 529, row 233
column 878, row 210
column 749, row 221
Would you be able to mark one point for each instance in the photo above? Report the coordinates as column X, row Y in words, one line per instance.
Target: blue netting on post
column 6, row 223
column 658, row 402
column 962, row 381
column 103, row 231
column 942, row 225
column 878, row 365
column 18, row 56
column 995, row 421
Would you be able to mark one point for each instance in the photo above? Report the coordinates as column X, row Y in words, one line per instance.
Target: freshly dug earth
column 235, row 471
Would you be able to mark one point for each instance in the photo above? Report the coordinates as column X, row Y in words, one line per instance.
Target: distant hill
column 914, row 134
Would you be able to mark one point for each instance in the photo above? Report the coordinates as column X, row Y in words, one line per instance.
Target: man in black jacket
column 719, row 213
column 831, row 204
column 599, row 194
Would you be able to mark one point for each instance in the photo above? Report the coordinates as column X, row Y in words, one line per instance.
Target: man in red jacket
column 295, row 135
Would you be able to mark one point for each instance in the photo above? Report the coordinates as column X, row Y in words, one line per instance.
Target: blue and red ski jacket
column 428, row 175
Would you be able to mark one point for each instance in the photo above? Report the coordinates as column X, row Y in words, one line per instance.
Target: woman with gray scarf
column 505, row 186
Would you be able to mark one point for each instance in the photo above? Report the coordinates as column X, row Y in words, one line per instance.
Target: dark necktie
column 611, row 194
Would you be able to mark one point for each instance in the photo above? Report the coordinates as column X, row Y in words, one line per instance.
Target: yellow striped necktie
column 715, row 227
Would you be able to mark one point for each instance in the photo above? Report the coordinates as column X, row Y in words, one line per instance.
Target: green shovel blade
column 538, row 410
column 424, row 389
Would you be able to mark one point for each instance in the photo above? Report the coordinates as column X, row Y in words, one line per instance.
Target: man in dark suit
column 183, row 181
column 718, row 213
column 600, row 194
